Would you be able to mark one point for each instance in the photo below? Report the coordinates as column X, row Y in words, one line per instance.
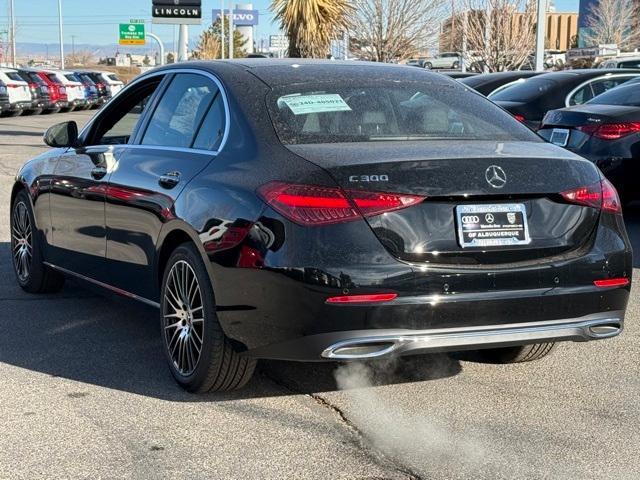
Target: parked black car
column 531, row 100
column 5, row 105
column 459, row 74
column 491, row 83
column 318, row 210
column 606, row 130
column 41, row 100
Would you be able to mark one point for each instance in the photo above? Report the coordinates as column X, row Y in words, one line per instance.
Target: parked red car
column 57, row 92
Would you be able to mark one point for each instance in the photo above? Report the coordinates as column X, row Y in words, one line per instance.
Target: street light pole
column 222, row 29
column 231, row 29
column 73, row 48
column 540, row 34
column 60, row 34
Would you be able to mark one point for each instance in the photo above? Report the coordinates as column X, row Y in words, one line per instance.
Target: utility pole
column 540, row 34
column 12, row 17
column 60, row 34
column 73, row 48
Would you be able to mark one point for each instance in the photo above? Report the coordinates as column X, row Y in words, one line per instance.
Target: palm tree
column 311, row 24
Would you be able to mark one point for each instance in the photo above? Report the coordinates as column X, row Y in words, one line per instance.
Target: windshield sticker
column 304, row 104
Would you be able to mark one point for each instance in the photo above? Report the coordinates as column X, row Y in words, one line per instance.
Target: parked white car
column 449, row 60
column 17, row 90
column 113, row 83
column 621, row 62
column 75, row 90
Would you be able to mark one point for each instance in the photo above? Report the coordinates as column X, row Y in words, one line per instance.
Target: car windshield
column 393, row 111
column 525, row 91
column 54, row 78
column 623, row 95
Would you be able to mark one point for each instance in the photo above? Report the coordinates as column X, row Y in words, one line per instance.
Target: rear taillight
column 601, row 195
column 520, row 118
column 610, row 131
column 317, row 205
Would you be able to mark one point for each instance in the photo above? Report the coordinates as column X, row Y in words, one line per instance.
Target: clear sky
column 96, row 21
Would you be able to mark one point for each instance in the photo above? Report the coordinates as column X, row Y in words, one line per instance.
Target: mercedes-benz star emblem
column 495, row 176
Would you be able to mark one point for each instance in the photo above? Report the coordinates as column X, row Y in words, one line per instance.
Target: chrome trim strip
column 452, row 338
column 603, row 76
column 170, row 71
column 117, row 290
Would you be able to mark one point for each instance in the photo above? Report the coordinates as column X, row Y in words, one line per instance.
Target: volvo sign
column 181, row 12
column 241, row 17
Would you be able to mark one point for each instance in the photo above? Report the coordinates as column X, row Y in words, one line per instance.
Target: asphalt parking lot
column 85, row 393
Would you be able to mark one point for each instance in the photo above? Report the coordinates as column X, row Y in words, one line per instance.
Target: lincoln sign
column 183, row 12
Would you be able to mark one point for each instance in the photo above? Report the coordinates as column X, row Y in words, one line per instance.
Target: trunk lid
column 456, row 175
column 590, row 114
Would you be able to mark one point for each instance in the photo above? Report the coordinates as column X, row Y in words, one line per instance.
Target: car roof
column 280, row 72
column 483, row 78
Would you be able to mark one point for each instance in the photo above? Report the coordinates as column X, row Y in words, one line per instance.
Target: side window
column 122, row 117
column 180, row 111
column 212, row 130
column 581, row 96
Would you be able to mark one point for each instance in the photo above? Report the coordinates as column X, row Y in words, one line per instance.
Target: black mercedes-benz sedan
column 530, row 100
column 314, row 210
column 606, row 130
column 491, row 83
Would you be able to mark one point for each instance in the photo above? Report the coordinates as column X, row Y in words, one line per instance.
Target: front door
column 176, row 142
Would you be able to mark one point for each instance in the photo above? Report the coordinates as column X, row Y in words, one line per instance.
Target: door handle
column 98, row 172
column 169, row 179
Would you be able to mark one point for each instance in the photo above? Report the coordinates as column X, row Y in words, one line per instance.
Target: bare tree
column 82, row 57
column 394, row 30
column 500, row 33
column 613, row 21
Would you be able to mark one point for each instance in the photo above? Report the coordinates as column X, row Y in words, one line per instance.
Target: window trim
column 170, row 73
column 595, row 79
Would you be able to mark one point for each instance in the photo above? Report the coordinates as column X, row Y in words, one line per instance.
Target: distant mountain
column 26, row 49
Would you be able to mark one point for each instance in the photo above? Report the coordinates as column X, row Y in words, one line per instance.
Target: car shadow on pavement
column 85, row 335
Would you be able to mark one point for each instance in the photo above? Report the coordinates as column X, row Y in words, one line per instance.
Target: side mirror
column 62, row 135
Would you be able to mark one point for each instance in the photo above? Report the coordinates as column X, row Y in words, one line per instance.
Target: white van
column 18, row 91
column 75, row 90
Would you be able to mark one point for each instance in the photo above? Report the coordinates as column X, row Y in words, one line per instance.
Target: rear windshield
column 72, row 77
column 15, row 76
column 330, row 113
column 525, row 91
column 53, row 78
column 113, row 77
column 629, row 64
column 623, row 95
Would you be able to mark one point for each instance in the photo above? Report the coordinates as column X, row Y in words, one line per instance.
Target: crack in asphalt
column 378, row 456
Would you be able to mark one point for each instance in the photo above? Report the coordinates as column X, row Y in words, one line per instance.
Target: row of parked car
column 594, row 113
column 33, row 91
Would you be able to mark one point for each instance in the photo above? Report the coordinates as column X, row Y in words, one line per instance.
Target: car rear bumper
column 363, row 344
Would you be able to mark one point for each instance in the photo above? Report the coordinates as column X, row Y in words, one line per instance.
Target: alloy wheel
column 183, row 318
column 21, row 241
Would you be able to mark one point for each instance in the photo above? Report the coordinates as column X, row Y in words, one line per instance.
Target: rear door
column 179, row 139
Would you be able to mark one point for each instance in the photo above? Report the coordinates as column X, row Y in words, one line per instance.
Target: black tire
column 186, row 318
column 15, row 113
column 456, row 65
column 428, row 65
column 519, row 354
column 26, row 253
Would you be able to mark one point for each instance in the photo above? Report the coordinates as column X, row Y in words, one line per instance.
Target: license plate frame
column 500, row 225
column 560, row 136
